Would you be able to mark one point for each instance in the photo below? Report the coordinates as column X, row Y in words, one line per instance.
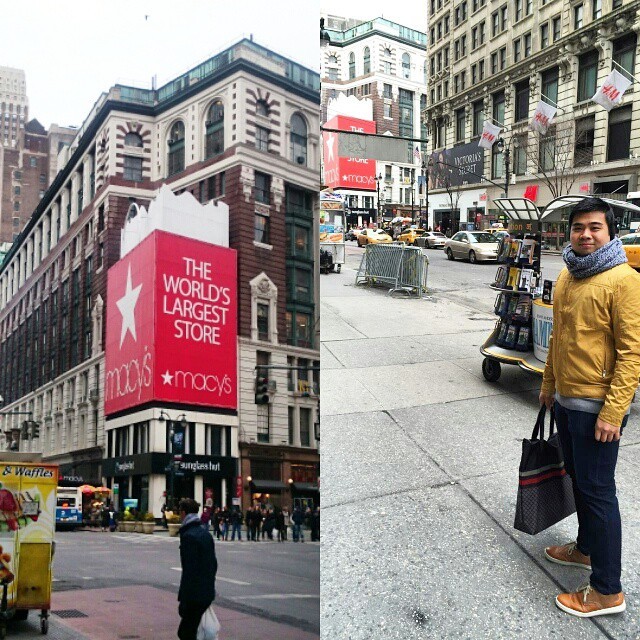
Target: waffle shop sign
column 171, row 325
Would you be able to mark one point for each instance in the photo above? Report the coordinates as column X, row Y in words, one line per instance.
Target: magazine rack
column 518, row 286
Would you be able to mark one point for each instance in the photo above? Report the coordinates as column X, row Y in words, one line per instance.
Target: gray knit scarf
column 604, row 258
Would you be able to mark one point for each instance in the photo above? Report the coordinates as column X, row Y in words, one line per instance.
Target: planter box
column 174, row 528
column 147, row 527
column 128, row 526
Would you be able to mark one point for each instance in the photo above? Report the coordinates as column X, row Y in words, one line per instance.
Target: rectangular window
column 557, row 28
column 547, row 150
column 305, row 427
column 520, row 156
column 587, row 75
column 517, row 50
column 262, row 187
column 387, row 110
column 624, row 50
column 261, row 228
column 527, row 45
column 478, row 118
column 585, row 131
column 495, row 24
column 498, row 107
column 504, row 17
column 262, row 139
column 132, row 169
column 263, row 321
column 497, row 163
column 386, row 91
column 503, row 58
column 494, row 62
column 544, row 35
column 578, row 11
column 619, row 134
column 596, row 6
column 549, row 88
column 522, row 100
column 616, row 4
column 519, row 9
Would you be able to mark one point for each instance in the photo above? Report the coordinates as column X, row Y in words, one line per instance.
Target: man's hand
column 547, row 399
column 606, row 432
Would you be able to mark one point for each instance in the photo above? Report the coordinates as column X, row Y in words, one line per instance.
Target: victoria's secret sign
column 171, row 324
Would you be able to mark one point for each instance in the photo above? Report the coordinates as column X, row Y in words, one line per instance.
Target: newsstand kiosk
column 525, row 318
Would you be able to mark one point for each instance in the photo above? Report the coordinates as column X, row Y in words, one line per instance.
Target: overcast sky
column 412, row 14
column 73, row 50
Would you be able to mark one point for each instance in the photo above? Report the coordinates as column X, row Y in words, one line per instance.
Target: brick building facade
column 230, row 130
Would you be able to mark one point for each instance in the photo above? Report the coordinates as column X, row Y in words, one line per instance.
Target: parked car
column 432, row 240
column 352, row 234
column 411, row 235
column 373, row 236
column 631, row 246
column 474, row 246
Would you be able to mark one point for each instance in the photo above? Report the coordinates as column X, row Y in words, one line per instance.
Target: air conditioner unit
column 272, row 386
column 94, row 394
column 82, row 399
column 70, row 404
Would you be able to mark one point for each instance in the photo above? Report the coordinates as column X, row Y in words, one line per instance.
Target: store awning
column 305, row 486
column 268, row 485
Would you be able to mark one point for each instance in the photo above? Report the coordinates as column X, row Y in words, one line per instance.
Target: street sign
column 386, row 148
column 116, row 488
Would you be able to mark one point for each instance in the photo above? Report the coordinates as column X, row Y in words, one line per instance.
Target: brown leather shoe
column 587, row 602
column 569, row 555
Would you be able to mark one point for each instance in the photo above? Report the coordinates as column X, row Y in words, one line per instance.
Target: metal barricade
column 399, row 266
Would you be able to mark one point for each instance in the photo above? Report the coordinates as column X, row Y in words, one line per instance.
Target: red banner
column 239, row 487
column 348, row 173
column 172, row 325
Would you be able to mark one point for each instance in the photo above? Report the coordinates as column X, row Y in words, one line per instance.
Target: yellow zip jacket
column 594, row 351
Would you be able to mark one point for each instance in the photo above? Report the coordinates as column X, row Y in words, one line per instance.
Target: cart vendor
column 590, row 378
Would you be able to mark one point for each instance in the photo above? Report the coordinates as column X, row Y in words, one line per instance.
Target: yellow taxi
column 373, row 236
column 410, row 235
column 631, row 245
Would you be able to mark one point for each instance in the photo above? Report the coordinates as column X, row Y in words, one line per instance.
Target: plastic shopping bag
column 209, row 626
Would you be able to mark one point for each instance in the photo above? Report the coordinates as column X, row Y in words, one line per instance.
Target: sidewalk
column 141, row 612
column 420, row 459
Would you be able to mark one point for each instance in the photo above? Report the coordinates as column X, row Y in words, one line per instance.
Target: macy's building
column 239, row 129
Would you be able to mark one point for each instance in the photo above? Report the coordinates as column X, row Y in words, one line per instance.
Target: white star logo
column 127, row 306
column 331, row 139
column 167, row 378
column 345, row 177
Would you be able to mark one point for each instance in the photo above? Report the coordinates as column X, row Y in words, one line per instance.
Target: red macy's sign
column 172, row 324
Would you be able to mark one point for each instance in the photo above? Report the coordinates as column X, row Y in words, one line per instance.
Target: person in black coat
column 199, row 566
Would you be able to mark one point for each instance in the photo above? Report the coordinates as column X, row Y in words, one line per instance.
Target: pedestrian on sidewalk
column 217, row 519
column 104, row 518
column 287, row 521
column 235, row 520
column 205, row 518
column 280, row 525
column 199, row 566
column 298, row 519
column 224, row 523
column 315, row 525
column 590, row 379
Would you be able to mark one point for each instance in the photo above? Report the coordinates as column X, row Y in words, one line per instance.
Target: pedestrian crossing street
column 141, row 538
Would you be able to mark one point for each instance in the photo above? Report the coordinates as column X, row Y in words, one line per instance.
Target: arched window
column 352, row 66
column 262, row 108
column 176, row 147
column 298, row 139
column 214, row 140
column 132, row 140
column 333, row 59
column 406, row 65
column 367, row 60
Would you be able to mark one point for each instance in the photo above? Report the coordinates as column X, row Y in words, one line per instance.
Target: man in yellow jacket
column 590, row 379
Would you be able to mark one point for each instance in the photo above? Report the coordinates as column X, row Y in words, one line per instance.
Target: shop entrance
column 183, row 486
column 267, row 500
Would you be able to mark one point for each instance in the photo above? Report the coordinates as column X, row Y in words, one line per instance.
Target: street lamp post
column 176, row 446
column 413, row 182
column 378, row 181
column 504, row 146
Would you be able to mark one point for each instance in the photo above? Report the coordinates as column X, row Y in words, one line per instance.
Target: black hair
column 590, row 204
column 189, row 505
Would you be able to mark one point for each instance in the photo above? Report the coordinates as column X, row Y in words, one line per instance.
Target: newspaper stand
column 518, row 289
column 332, row 228
column 27, row 525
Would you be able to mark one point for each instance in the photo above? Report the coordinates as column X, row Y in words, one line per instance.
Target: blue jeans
column 297, row 532
column 592, row 465
column 236, row 527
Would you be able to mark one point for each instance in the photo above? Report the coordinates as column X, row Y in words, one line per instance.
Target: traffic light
column 35, row 430
column 262, row 390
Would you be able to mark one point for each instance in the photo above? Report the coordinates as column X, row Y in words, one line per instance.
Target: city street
column 420, row 472
column 125, row 585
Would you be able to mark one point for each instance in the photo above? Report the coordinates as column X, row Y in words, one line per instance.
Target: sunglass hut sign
column 171, row 325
